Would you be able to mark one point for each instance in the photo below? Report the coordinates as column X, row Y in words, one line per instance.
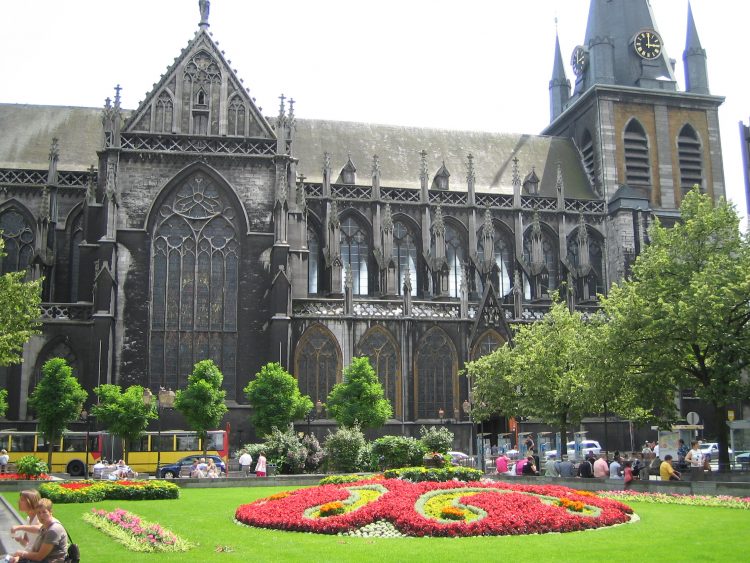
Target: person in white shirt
column 695, row 459
column 246, row 460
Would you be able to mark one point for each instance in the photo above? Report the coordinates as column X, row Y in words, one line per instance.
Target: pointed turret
column 559, row 86
column 694, row 58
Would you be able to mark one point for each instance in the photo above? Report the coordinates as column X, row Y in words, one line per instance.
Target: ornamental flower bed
column 23, row 477
column 134, row 533
column 417, row 509
column 723, row 501
column 95, row 491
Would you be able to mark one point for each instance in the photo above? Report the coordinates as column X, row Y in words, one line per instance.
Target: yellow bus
column 69, row 453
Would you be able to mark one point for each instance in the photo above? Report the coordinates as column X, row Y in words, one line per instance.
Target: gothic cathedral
column 195, row 227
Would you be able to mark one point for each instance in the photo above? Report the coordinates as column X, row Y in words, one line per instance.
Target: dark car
column 181, row 468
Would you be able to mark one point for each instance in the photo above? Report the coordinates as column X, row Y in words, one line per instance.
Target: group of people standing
column 246, row 462
column 42, row 537
column 687, row 459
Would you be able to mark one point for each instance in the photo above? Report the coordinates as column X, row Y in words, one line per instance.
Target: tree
column 3, row 402
column 19, row 312
column 543, row 375
column 123, row 413
column 682, row 320
column 202, row 402
column 276, row 399
column 359, row 398
column 57, row 400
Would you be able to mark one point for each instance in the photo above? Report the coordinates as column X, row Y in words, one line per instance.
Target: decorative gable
column 200, row 95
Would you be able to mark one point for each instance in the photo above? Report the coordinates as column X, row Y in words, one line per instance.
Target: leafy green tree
column 19, row 312
column 346, row 449
column 275, row 398
column 359, row 398
column 202, row 401
column 436, row 438
column 57, row 400
column 123, row 413
column 543, row 375
column 682, row 320
column 390, row 452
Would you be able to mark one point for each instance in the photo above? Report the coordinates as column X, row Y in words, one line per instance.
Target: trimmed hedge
column 94, row 491
column 341, row 479
column 417, row 474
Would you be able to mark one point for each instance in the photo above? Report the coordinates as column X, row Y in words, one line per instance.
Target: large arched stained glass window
column 405, row 256
column 195, row 261
column 378, row 345
column 18, row 236
column 454, row 254
column 317, row 362
column 354, row 253
column 436, row 371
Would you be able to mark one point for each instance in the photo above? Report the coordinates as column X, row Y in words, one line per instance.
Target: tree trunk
column 722, row 437
column 50, row 446
column 204, row 444
column 563, row 437
column 125, row 452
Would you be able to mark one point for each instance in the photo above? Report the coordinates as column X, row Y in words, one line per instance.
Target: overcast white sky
column 436, row 63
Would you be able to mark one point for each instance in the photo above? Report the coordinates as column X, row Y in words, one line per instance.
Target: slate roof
column 26, row 132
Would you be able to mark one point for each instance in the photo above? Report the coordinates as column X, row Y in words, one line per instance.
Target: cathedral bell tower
column 643, row 142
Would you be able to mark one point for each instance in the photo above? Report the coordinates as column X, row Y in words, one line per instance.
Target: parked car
column 587, row 447
column 460, row 458
column 743, row 460
column 711, row 449
column 181, row 468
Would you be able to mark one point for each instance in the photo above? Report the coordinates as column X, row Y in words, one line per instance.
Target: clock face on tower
column 579, row 60
column 647, row 44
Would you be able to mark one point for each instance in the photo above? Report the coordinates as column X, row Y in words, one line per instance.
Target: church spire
column 559, row 85
column 694, row 59
column 204, row 6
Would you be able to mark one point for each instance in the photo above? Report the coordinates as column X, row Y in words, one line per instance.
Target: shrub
column 341, row 479
column 285, row 451
column 315, row 453
column 436, row 439
column 344, row 449
column 397, row 451
column 30, row 466
column 95, row 491
column 417, row 474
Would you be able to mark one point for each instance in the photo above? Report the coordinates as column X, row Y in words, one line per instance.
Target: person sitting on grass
column 666, row 471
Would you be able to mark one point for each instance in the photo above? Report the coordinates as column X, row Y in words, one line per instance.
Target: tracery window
column 504, row 259
column 76, row 238
column 436, row 369
column 354, row 253
column 313, row 261
column 380, row 348
column 405, row 256
column 236, row 117
column 486, row 344
column 317, row 362
column 691, row 159
column 19, row 241
column 454, row 254
column 195, row 262
column 164, row 113
column 592, row 282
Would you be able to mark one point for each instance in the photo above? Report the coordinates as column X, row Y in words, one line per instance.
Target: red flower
column 504, row 509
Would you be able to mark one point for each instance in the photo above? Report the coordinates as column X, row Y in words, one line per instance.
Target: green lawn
column 204, row 516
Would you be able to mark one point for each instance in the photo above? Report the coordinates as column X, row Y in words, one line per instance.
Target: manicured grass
column 204, row 517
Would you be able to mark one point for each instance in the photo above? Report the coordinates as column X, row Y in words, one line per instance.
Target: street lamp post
column 87, row 420
column 164, row 400
column 467, row 409
column 317, row 412
column 441, row 414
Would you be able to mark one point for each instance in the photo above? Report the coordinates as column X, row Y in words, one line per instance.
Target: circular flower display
column 435, row 509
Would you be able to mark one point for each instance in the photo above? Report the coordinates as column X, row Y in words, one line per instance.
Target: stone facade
column 200, row 228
